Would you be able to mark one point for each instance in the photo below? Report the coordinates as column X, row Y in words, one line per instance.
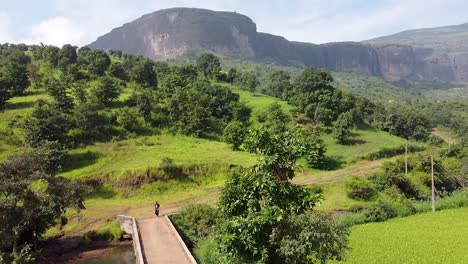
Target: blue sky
column 81, row 21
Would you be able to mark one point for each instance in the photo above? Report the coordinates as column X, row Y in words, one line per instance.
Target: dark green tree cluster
column 209, row 65
column 32, row 199
column 14, row 77
column 404, row 122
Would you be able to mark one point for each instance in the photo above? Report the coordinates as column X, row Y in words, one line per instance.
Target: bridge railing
column 129, row 225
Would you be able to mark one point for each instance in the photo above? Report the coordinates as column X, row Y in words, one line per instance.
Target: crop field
column 429, row 238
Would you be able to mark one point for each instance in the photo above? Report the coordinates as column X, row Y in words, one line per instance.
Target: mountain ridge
column 168, row 32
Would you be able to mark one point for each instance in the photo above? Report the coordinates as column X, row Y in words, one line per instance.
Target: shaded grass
column 366, row 140
column 114, row 158
column 440, row 237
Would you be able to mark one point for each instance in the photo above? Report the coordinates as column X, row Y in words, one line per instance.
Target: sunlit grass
column 440, row 237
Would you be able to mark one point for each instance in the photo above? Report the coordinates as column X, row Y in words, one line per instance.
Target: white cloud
column 81, row 21
column 5, row 23
column 56, row 31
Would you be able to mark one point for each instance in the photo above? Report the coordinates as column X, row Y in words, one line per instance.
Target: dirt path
column 360, row 169
column 160, row 244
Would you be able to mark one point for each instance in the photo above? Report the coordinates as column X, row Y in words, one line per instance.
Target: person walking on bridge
column 156, row 209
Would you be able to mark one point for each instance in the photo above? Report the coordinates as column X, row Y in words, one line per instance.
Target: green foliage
column 342, row 127
column 234, row 134
column 58, row 90
column 24, row 256
column 274, row 116
column 89, row 123
column 117, row 70
column 247, row 79
column 360, row 188
column 46, row 123
column 32, row 196
column 312, row 238
column 108, row 232
column 209, row 252
column 403, row 122
column 196, row 222
column 106, row 90
column 14, row 77
column 67, row 56
column 52, row 155
column 279, row 84
column 129, row 119
column 209, row 65
column 143, row 73
column 256, row 201
column 97, row 62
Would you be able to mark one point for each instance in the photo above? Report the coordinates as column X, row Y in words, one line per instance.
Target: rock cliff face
column 169, row 32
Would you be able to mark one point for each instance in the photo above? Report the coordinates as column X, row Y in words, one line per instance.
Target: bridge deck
column 160, row 244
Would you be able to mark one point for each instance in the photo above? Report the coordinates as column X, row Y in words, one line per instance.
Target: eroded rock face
column 169, row 32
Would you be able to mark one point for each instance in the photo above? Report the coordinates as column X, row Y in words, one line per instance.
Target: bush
column 312, row 236
column 51, row 155
column 208, row 251
column 196, row 222
column 24, row 256
column 129, row 119
column 382, row 212
column 234, row 134
column 360, row 188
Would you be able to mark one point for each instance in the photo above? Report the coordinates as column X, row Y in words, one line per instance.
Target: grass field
column 143, row 152
column 429, row 238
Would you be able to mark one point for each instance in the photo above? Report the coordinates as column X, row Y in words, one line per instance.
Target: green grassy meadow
column 431, row 238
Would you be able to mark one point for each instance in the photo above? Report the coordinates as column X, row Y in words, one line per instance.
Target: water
column 119, row 255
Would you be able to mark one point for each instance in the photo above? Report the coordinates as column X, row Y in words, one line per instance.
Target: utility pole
column 406, row 158
column 433, row 187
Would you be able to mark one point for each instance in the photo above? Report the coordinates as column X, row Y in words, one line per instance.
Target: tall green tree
column 234, row 134
column 98, row 61
column 279, row 84
column 257, row 201
column 209, row 65
column 59, row 91
column 67, row 56
column 342, row 127
column 31, row 200
column 14, row 77
column 106, row 90
column 46, row 123
column 144, row 74
column 248, row 79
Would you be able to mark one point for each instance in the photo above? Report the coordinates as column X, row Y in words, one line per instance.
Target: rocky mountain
column 169, row 32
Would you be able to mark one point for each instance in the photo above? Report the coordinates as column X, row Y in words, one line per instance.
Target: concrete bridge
column 156, row 241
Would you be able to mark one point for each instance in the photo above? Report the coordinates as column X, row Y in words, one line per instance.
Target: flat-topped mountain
column 169, row 32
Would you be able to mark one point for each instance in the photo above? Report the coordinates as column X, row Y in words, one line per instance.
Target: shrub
column 170, row 168
column 196, row 222
column 129, row 119
column 382, row 212
column 234, row 134
column 312, row 236
column 208, row 251
column 360, row 188
column 51, row 155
